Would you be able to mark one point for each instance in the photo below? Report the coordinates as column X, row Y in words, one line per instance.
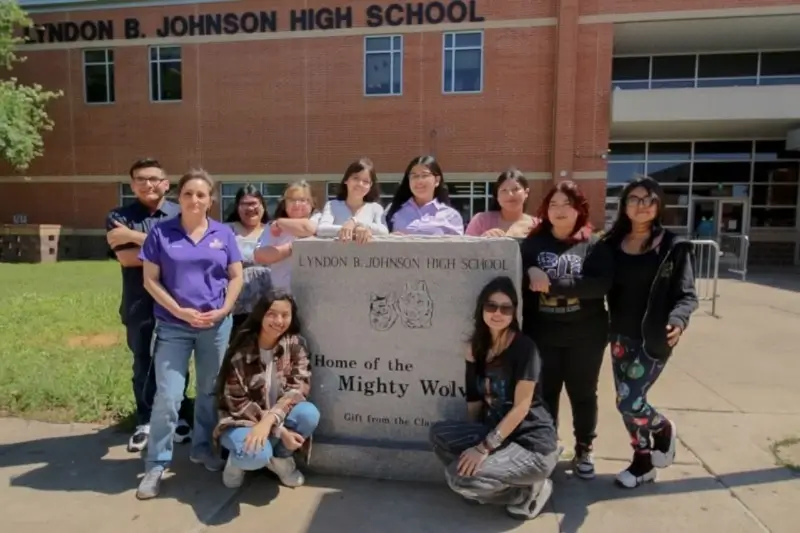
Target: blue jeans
column 303, row 419
column 174, row 344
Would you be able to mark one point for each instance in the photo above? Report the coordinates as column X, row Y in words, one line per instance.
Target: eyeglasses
column 511, row 192
column 636, row 201
column 150, row 181
column 365, row 183
column 422, row 176
column 493, row 307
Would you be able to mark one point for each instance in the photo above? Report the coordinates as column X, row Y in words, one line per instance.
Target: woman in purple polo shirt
column 421, row 205
column 193, row 270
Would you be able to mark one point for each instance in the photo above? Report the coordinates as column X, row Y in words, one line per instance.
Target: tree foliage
column 23, row 115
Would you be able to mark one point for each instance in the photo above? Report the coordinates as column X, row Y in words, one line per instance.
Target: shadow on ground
column 99, row 463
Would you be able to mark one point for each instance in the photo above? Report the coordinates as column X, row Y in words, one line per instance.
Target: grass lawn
column 62, row 348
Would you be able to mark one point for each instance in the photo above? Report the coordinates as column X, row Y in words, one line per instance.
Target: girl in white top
column 295, row 218
column 355, row 214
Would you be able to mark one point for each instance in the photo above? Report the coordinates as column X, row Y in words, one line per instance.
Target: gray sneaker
column 583, row 464
column 286, row 470
column 534, row 503
column 151, row 483
column 232, row 476
column 212, row 463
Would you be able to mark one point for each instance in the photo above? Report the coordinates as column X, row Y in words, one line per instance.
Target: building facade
column 700, row 95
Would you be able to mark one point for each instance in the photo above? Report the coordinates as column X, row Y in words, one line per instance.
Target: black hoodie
column 670, row 294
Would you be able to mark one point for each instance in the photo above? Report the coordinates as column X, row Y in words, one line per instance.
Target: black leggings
column 578, row 368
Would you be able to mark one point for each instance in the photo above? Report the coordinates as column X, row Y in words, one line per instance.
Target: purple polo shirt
column 194, row 274
column 433, row 218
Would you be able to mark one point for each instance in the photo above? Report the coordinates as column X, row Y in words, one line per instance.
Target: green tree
column 23, row 115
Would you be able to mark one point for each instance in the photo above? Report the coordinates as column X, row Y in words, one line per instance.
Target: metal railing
column 706, row 271
column 735, row 249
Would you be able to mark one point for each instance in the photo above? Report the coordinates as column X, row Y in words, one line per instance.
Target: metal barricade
column 706, row 271
column 734, row 250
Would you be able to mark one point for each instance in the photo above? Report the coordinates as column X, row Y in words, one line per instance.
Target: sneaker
column 150, row 485
column 640, row 471
column 183, row 432
column 232, row 476
column 664, row 444
column 286, row 470
column 211, row 462
column 583, row 462
column 138, row 440
column 534, row 503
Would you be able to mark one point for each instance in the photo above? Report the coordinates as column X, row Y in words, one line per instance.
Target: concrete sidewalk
column 731, row 388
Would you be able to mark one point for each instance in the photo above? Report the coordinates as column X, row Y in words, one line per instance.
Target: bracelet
column 481, row 448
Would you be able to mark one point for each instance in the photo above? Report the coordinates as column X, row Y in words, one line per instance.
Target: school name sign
column 250, row 22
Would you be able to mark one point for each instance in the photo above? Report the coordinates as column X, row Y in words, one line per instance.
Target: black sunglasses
column 493, row 307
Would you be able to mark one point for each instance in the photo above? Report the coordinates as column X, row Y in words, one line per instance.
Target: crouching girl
column 262, row 391
column 505, row 453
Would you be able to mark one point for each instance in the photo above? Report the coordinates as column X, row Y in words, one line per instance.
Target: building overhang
column 708, row 112
column 694, row 35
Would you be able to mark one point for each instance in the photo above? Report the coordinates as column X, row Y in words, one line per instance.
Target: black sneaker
column 583, row 462
column 664, row 444
column 183, row 432
column 640, row 471
column 138, row 440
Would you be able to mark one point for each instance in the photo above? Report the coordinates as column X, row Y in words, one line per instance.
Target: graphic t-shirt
column 495, row 383
column 580, row 275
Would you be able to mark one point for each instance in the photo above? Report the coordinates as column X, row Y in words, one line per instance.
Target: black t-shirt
column 494, row 385
column 580, row 276
column 627, row 300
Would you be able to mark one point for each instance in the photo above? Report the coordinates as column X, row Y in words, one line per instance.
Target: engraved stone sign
column 387, row 324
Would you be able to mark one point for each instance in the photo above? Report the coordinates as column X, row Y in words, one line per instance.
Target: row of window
column 707, row 70
column 462, row 68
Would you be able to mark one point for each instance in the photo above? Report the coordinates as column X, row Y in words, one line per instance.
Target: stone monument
column 387, row 323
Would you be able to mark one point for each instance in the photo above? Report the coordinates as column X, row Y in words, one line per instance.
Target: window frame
column 111, row 92
column 453, row 50
column 394, row 54
column 158, row 61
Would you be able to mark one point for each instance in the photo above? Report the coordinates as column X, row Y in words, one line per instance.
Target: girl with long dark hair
column 567, row 273
column 421, row 204
column 248, row 219
column 505, row 452
column 356, row 213
column 262, row 394
column 650, row 303
column 506, row 216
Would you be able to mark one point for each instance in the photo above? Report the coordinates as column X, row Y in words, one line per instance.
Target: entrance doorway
column 725, row 221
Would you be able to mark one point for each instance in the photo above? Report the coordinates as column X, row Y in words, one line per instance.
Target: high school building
column 702, row 95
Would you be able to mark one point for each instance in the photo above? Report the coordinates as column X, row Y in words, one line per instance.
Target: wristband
column 493, row 440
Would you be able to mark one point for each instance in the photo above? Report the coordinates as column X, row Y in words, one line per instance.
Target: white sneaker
column 286, row 470
column 138, row 440
column 232, row 476
column 532, row 505
column 664, row 445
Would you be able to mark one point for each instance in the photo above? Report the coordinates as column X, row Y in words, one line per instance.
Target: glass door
column 732, row 231
column 705, row 219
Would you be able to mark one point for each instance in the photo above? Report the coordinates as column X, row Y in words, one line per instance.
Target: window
column 165, row 74
column 463, row 62
column 762, row 172
column 383, row 65
column 98, row 76
column 387, row 191
column 273, row 192
column 706, row 70
column 126, row 195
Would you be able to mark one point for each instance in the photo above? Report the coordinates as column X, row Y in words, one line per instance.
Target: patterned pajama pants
column 634, row 374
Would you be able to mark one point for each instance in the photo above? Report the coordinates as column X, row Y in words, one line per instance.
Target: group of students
column 222, row 291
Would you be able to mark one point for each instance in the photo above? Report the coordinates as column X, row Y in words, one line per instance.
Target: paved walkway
column 732, row 388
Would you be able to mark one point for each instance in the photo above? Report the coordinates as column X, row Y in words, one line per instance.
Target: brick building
column 700, row 94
